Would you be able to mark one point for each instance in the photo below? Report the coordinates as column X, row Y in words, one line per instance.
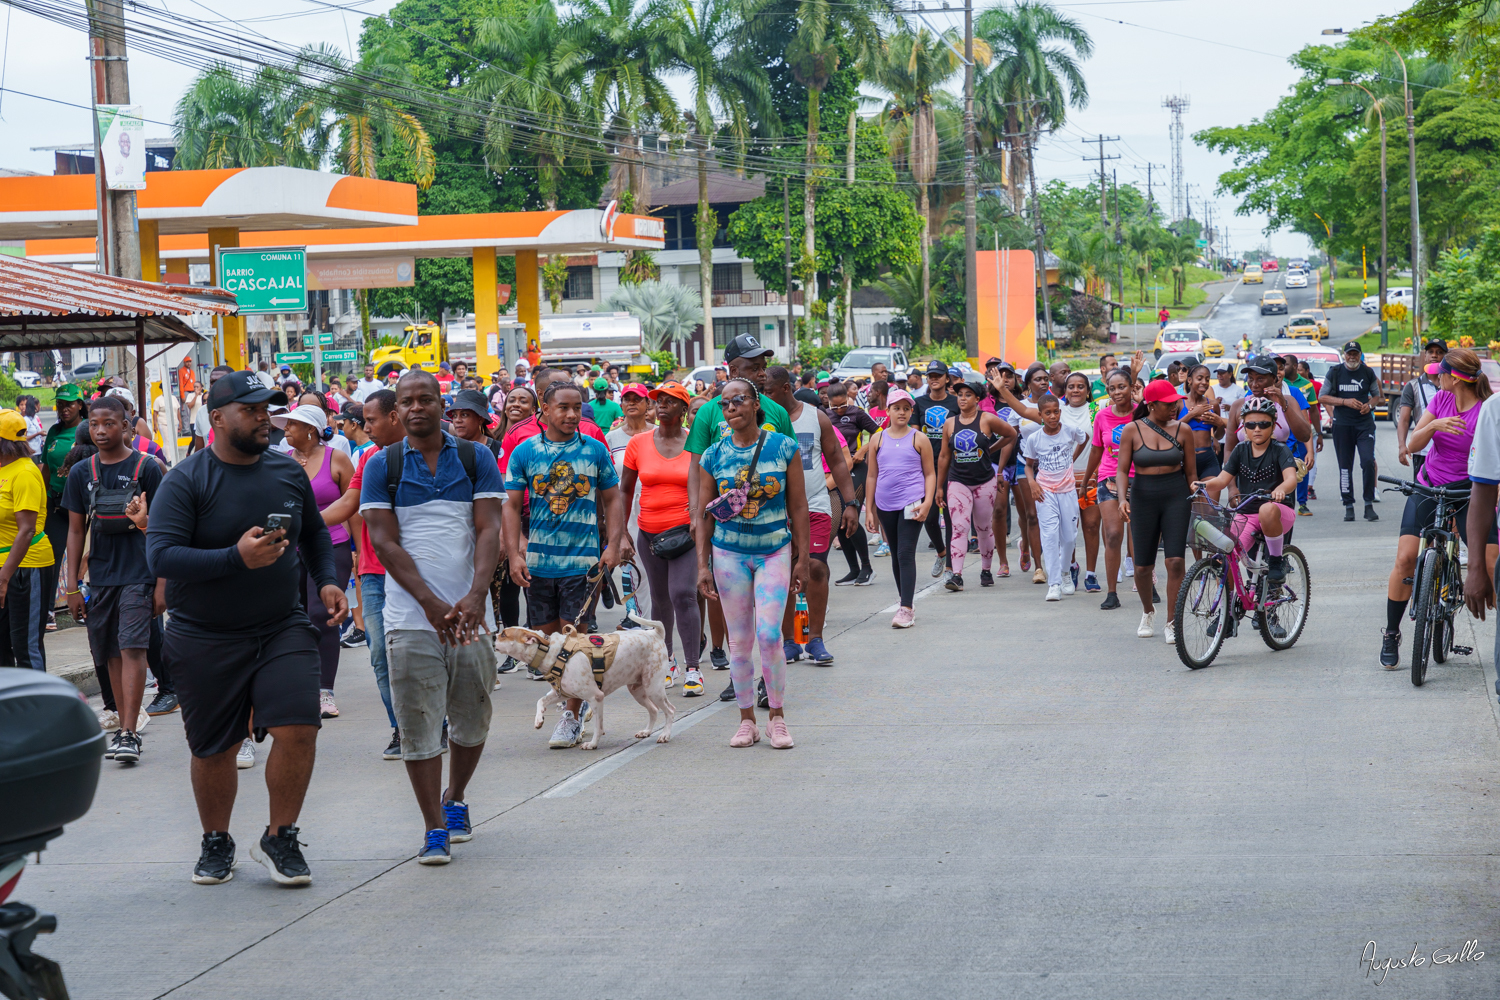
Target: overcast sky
column 1230, row 60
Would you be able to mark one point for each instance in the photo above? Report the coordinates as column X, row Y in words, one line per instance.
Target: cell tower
column 1178, row 104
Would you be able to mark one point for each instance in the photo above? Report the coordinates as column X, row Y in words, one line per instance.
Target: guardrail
column 754, row 297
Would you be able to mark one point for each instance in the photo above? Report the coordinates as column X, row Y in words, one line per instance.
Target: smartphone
column 278, row 522
column 911, row 510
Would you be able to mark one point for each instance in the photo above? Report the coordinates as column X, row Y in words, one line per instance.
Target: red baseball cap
column 1160, row 391
column 635, row 388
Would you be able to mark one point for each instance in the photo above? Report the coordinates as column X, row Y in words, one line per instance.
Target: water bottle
column 800, row 624
column 1212, row 537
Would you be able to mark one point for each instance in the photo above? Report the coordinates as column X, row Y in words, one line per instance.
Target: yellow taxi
column 1321, row 317
column 1272, row 301
column 1190, row 337
column 1254, row 275
column 1302, row 327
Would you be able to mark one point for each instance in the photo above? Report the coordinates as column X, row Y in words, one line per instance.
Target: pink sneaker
column 747, row 735
column 776, row 733
column 905, row 617
column 326, row 707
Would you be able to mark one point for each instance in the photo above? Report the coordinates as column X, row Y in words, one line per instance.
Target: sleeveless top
column 898, row 470
column 1155, row 458
column 971, row 463
column 809, row 434
column 325, row 492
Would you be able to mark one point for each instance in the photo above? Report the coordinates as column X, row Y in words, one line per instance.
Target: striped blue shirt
column 761, row 527
column 564, row 478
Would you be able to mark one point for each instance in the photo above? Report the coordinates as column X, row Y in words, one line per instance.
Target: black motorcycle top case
column 50, row 751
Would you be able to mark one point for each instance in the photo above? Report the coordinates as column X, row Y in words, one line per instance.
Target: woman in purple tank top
column 900, row 486
column 330, row 471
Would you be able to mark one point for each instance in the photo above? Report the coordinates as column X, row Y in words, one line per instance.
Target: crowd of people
column 447, row 510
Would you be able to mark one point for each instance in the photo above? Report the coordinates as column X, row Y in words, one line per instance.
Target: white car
column 706, row 374
column 857, row 363
column 1296, row 279
column 1371, row 303
column 26, row 380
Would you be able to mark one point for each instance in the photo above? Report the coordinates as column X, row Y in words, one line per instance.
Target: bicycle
column 1209, row 608
column 1437, row 591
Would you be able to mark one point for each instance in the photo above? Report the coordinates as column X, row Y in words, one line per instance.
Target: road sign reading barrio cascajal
column 267, row 280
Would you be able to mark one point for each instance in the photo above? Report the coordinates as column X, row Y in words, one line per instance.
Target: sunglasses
column 740, row 399
column 1258, row 425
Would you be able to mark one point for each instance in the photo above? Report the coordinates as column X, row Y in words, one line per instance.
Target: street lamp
column 1411, row 166
column 1384, row 331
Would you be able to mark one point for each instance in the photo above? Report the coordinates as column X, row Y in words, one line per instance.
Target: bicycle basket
column 1211, row 527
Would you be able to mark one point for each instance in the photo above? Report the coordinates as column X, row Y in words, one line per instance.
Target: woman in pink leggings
column 974, row 443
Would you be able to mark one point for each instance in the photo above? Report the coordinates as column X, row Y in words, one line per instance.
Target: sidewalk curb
column 80, row 674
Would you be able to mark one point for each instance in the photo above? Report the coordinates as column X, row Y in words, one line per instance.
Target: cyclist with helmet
column 1261, row 464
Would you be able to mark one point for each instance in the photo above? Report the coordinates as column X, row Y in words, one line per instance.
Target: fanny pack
column 673, row 543
column 727, row 505
column 107, row 503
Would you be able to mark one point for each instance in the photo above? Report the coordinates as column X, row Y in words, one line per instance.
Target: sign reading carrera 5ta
column 265, row 280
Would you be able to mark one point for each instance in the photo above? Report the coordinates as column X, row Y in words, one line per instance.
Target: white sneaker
column 246, row 757
column 142, row 718
column 672, row 674
column 1147, row 628
column 109, row 721
column 1067, row 588
column 1054, row 593
column 1170, row 634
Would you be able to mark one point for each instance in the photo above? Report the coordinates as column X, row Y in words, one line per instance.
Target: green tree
column 226, row 119
column 669, row 313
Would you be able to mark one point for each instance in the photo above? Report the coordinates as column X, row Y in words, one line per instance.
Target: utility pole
column 786, row 221
column 971, row 209
column 849, row 337
column 119, row 248
column 1103, row 189
column 1119, row 242
column 1041, row 227
column 1150, row 191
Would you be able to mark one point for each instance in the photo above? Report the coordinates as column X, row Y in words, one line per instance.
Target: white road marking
column 924, row 592
column 583, row 779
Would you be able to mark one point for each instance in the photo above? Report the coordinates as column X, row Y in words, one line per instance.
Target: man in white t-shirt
column 1228, row 391
column 1484, row 473
column 366, row 385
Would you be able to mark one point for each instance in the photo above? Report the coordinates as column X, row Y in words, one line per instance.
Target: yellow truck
column 423, row 347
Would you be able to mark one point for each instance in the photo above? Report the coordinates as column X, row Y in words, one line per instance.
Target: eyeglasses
column 1258, row 425
column 737, row 400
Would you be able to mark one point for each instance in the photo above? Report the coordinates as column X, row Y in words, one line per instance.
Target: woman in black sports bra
column 973, row 442
column 1160, row 450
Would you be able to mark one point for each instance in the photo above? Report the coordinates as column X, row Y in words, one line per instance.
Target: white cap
column 306, row 414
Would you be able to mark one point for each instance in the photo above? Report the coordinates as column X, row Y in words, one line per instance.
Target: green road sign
column 347, row 355
column 265, row 280
column 1203, row 243
column 323, row 338
column 294, row 358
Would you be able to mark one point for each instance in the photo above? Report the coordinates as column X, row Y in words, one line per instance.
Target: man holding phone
column 239, row 643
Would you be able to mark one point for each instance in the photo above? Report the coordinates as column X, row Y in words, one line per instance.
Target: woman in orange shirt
column 658, row 464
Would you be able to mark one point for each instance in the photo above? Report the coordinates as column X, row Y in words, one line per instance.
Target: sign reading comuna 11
column 267, row 280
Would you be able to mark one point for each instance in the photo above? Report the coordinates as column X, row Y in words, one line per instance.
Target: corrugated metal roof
column 30, row 288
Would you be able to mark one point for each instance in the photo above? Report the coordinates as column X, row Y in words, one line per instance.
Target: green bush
column 822, row 358
column 666, row 361
column 9, row 390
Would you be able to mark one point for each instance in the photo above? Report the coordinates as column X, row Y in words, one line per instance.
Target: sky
column 1229, row 60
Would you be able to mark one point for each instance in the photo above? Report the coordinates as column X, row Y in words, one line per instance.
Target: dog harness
column 601, row 651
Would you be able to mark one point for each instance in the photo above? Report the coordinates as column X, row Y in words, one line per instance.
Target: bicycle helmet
column 1257, row 404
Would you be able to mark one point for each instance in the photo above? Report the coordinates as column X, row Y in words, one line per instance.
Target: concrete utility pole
column 1119, row 242
column 849, row 337
column 1103, row 189
column 1033, row 134
column 786, row 221
column 1150, row 191
column 119, row 248
column 971, row 209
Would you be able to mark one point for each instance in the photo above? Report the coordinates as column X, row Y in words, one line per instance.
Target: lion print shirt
column 564, row 478
column 761, row 527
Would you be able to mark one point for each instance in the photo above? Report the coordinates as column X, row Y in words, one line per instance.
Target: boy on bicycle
column 1261, row 464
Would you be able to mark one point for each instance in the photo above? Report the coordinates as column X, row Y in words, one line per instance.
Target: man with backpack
column 432, row 504
column 100, row 495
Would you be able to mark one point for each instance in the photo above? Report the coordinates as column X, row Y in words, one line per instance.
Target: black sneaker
column 728, row 693
column 128, row 748
column 1111, row 601
column 164, row 703
column 1370, row 514
column 533, row 674
column 718, row 658
column 866, row 577
column 353, row 639
column 282, row 856
column 986, row 578
column 114, row 745
column 761, row 698
column 393, row 749
column 509, row 666
column 1276, row 571
column 216, row 862
column 1348, row 512
column 1390, row 649
column 848, row 579
column 955, row 582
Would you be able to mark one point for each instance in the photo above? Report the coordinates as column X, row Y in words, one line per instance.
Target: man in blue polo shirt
column 438, row 536
column 571, row 478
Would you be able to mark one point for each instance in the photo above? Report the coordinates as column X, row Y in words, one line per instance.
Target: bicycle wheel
column 1424, row 603
column 1281, row 623
column 1453, row 599
column 1204, row 613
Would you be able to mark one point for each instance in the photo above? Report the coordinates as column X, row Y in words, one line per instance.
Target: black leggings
column 902, row 534
column 312, row 603
column 674, row 595
column 938, row 531
column 1347, row 438
column 855, row 546
column 1159, row 509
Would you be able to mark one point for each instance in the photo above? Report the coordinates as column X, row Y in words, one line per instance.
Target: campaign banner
column 122, row 146
column 362, row 272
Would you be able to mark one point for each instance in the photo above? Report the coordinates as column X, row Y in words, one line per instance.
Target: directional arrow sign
column 346, row 355
column 295, row 358
column 267, row 280
column 323, row 338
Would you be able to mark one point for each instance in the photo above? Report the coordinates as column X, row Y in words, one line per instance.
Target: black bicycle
column 1438, row 584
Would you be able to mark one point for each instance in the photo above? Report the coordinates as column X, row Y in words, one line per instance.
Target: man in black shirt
column 122, row 591
column 1349, row 389
column 851, row 421
column 239, row 643
column 933, row 411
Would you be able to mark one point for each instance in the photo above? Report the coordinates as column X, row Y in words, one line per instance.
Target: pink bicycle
column 1230, row 582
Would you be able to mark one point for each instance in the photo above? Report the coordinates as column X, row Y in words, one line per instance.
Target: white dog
column 640, row 665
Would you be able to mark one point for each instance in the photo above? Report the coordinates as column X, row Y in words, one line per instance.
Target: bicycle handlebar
column 1408, row 487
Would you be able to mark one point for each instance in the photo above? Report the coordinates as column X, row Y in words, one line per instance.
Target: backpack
column 107, row 503
column 394, row 460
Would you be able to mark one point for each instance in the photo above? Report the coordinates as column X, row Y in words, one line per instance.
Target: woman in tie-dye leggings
column 759, row 546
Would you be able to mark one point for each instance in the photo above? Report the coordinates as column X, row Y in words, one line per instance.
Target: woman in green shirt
column 60, row 439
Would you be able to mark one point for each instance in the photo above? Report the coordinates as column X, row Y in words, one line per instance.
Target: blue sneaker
column 791, row 650
column 1091, row 584
column 435, row 850
column 457, row 814
column 1074, row 570
column 817, row 652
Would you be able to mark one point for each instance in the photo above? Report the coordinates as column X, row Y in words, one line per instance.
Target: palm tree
column 669, row 313
column 1035, row 79
column 1142, row 239
column 728, row 85
column 1178, row 252
column 912, row 66
column 225, row 119
column 533, row 84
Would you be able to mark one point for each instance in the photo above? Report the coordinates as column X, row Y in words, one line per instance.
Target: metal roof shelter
column 44, row 306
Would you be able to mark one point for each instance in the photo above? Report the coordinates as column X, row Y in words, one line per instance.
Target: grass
column 1194, row 296
column 1349, row 288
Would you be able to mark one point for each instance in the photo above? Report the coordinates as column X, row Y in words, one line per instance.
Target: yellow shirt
column 21, row 488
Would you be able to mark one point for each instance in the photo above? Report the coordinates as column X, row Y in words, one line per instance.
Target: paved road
column 1238, row 313
column 1012, row 799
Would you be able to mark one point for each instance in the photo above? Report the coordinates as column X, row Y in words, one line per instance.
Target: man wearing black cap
column 933, row 411
column 1416, row 396
column 239, row 643
column 1350, row 389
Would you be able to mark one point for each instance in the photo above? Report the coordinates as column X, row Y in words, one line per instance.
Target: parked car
column 1272, row 301
column 1296, row 279
column 1371, row 303
column 1269, row 264
column 1253, row 275
column 26, row 380
column 857, row 363
column 706, row 373
column 88, row 370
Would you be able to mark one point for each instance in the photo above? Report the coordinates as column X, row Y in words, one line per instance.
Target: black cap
column 746, row 346
column 1437, row 342
column 471, row 399
column 1353, row 345
column 936, row 367
column 1261, row 364
column 242, row 387
column 809, row 396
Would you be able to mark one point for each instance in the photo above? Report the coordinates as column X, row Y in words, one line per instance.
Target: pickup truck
column 1398, row 369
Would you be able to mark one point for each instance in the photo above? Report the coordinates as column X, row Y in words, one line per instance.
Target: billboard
column 362, row 272
column 1007, row 305
column 122, row 146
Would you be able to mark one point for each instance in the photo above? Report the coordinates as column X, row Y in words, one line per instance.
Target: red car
column 1270, row 265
